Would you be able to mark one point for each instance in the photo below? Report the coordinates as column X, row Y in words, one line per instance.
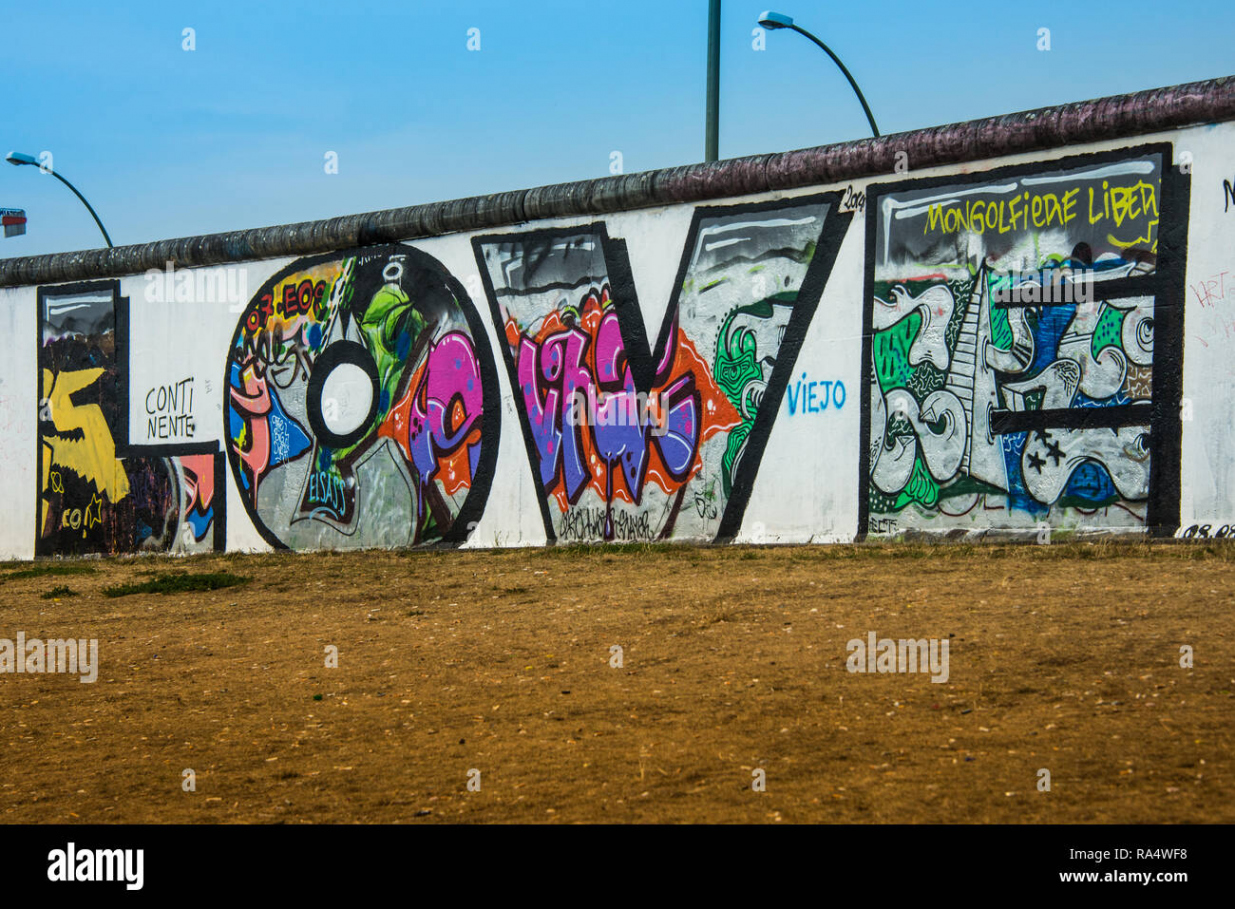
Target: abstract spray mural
column 96, row 493
column 362, row 403
column 1023, row 359
column 632, row 441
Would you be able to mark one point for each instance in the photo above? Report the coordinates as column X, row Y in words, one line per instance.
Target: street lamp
column 17, row 159
column 772, row 21
column 711, row 142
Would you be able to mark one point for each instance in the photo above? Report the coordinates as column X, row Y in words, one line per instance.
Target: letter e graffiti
column 332, row 656
column 1185, row 656
column 616, row 655
column 1044, row 780
column 189, row 783
column 190, row 39
column 759, row 780
column 1044, row 39
column 473, row 780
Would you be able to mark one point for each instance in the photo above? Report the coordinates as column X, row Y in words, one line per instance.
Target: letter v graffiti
column 635, row 441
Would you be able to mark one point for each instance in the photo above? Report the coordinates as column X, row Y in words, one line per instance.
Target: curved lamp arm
column 773, row 20
column 89, row 207
column 835, row 59
column 18, row 159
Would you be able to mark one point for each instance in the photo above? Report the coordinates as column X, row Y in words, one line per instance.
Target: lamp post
column 17, row 159
column 711, row 150
column 771, row 20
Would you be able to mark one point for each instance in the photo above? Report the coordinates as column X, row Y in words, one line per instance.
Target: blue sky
column 167, row 143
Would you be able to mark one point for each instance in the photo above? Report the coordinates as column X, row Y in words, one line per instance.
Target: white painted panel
column 18, row 421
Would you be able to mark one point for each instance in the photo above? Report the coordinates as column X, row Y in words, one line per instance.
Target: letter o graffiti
column 369, row 418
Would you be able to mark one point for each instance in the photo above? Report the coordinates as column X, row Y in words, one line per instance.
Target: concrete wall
column 1023, row 343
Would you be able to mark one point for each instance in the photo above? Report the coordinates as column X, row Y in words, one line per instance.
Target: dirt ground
column 1064, row 658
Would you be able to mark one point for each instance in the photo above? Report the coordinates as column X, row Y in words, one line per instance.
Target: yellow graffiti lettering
column 94, row 513
column 977, row 216
column 1120, row 204
column 1149, row 239
column 1069, row 205
column 1092, row 219
column 82, row 441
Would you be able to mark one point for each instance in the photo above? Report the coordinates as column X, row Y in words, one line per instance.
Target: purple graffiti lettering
column 561, row 394
column 451, row 376
column 549, row 377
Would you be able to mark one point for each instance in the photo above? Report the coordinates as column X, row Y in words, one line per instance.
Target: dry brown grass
column 1063, row 657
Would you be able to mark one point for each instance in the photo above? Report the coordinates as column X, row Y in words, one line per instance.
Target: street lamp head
column 17, row 158
column 769, row 19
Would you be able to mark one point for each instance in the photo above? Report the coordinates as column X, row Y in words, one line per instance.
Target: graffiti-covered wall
column 362, row 403
column 1024, row 361
column 1027, row 342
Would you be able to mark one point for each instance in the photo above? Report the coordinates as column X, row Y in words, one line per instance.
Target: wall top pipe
column 1138, row 113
